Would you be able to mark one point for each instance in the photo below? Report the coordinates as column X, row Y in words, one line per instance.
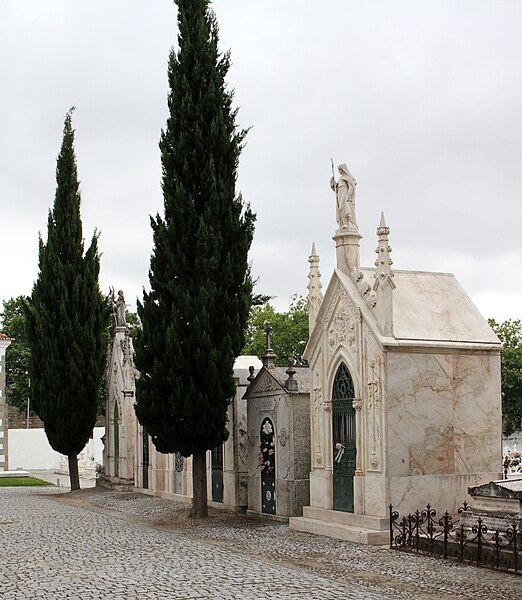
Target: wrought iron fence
column 445, row 537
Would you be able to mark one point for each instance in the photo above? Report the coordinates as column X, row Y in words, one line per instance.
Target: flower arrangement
column 512, row 462
column 266, row 455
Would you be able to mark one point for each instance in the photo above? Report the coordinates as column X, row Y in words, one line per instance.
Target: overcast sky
column 421, row 99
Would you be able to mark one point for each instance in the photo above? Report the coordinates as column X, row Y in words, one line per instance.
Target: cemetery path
column 97, row 544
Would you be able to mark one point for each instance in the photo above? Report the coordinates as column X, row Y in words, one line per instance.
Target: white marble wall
column 444, row 426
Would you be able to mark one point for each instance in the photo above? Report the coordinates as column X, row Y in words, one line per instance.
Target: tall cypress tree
column 195, row 314
column 66, row 317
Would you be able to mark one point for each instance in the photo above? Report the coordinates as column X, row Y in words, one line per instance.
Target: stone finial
column 315, row 296
column 383, row 284
column 291, row 383
column 269, row 357
column 251, row 377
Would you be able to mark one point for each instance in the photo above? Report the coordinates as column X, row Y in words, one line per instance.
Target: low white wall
column 29, row 449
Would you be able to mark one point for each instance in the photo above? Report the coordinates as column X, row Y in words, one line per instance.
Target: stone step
column 346, row 518
column 340, row 531
column 17, row 473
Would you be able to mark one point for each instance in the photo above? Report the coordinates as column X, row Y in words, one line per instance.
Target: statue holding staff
column 345, row 197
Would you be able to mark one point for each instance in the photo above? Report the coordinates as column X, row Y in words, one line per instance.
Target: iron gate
column 145, row 465
column 217, row 473
column 116, row 432
column 343, row 438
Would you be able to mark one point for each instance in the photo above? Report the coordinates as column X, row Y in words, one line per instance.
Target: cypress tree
column 66, row 317
column 194, row 317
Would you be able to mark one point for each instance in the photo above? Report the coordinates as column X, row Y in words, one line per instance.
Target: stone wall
column 18, row 420
column 3, row 417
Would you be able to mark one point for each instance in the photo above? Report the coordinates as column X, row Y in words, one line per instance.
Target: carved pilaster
column 317, row 421
column 374, row 417
column 357, row 405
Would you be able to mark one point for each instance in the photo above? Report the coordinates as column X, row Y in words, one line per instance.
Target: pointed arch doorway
column 343, row 440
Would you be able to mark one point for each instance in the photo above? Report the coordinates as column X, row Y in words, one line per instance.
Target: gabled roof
column 434, row 306
column 429, row 309
column 274, row 379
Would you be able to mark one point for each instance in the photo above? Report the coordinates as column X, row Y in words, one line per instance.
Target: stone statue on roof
column 345, row 197
column 120, row 310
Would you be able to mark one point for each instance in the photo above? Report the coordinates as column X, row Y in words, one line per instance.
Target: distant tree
column 510, row 334
column 289, row 330
column 194, row 317
column 18, row 353
column 66, row 320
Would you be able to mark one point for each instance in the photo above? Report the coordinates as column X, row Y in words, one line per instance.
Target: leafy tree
column 66, row 320
column 17, row 354
column 510, row 334
column 194, row 317
column 290, row 330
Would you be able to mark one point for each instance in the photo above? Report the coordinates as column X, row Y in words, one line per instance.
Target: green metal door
column 343, row 438
column 145, row 462
column 268, row 468
column 217, row 473
column 178, row 473
column 116, row 432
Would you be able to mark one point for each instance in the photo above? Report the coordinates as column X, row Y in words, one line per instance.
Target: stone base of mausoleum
column 268, row 517
column 116, row 484
column 361, row 529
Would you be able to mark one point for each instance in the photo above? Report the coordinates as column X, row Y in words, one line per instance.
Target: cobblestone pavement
column 96, row 544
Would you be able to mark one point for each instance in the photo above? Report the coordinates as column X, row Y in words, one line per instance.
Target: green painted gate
column 217, row 473
column 145, row 462
column 343, row 438
column 116, row 435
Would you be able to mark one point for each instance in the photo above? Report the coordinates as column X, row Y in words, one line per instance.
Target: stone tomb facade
column 279, row 440
column 120, row 418
column 405, row 389
column 170, row 475
column 5, row 341
column 130, row 458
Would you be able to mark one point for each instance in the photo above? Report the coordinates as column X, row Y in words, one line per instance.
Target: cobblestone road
column 102, row 544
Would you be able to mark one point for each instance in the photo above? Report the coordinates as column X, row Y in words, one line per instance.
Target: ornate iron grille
column 425, row 533
column 343, row 423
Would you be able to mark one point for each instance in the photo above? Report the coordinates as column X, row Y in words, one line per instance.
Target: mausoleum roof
column 434, row 306
column 302, row 376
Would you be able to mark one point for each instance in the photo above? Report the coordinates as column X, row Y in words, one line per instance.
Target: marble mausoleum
column 405, row 398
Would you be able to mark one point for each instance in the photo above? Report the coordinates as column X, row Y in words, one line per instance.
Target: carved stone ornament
column 252, row 438
column 374, row 412
column 283, row 437
column 341, row 323
column 266, row 384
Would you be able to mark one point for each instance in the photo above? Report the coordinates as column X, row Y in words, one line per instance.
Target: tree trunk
column 73, row 472
column 199, row 485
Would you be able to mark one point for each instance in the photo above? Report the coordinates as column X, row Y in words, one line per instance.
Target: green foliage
column 194, row 317
column 510, row 334
column 17, row 354
column 66, row 317
column 289, row 330
column 133, row 323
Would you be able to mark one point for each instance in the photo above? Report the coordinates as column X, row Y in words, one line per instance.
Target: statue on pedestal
column 345, row 197
column 120, row 310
